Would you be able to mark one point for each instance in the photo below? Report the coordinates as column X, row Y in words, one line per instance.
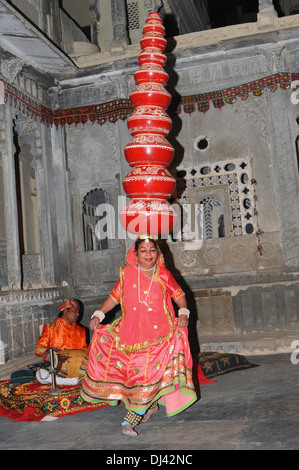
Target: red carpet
column 33, row 402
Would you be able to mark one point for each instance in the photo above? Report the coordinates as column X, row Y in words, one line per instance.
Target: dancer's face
column 147, row 255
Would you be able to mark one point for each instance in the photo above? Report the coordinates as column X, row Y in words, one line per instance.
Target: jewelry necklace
column 144, row 269
column 148, row 291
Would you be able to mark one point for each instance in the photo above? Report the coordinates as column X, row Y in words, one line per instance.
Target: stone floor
column 252, row 409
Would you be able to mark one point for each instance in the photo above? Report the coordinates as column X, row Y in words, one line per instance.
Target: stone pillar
column 39, row 260
column 94, row 13
column 63, row 252
column 51, row 21
column 267, row 14
column 119, row 24
column 7, row 152
column 152, row 5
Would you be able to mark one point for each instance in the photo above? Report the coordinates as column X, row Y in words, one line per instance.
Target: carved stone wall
column 227, row 163
column 215, row 312
column 22, row 316
column 3, row 242
column 236, row 164
column 243, row 309
column 94, row 162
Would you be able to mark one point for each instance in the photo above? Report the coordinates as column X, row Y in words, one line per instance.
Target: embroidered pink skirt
column 160, row 372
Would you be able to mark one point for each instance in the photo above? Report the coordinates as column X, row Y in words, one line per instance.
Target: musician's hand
column 183, row 321
column 94, row 323
column 47, row 351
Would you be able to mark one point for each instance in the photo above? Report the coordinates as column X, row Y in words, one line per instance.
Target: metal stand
column 53, row 373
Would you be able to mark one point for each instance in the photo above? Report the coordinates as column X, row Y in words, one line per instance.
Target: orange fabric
column 61, row 335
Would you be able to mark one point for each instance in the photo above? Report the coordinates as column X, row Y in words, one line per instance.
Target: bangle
column 99, row 314
column 184, row 311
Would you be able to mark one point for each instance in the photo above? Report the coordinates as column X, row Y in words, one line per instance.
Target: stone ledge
column 256, row 343
column 200, row 38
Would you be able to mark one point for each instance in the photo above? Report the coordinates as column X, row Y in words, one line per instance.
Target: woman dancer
column 143, row 358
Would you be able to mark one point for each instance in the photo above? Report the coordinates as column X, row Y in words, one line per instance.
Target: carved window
column 223, row 195
column 98, row 221
column 213, row 218
column 133, row 15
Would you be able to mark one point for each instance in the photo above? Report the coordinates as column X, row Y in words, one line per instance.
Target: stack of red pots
column 149, row 184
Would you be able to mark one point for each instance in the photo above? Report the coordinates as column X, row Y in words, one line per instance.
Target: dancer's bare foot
column 149, row 413
column 129, row 430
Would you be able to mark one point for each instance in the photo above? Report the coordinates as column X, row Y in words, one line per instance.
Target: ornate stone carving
column 213, row 256
column 237, row 176
column 268, row 250
column 30, row 131
column 119, row 23
column 239, row 253
column 11, row 68
column 188, row 259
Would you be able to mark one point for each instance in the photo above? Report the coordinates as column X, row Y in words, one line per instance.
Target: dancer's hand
column 183, row 321
column 94, row 323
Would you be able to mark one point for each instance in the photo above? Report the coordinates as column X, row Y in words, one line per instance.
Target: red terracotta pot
column 149, row 120
column 153, row 15
column 148, row 217
column 153, row 40
column 153, row 26
column 149, row 149
column 152, row 56
column 150, row 94
column 151, row 73
column 149, row 182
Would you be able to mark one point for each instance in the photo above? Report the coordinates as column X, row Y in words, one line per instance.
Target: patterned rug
column 34, row 401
